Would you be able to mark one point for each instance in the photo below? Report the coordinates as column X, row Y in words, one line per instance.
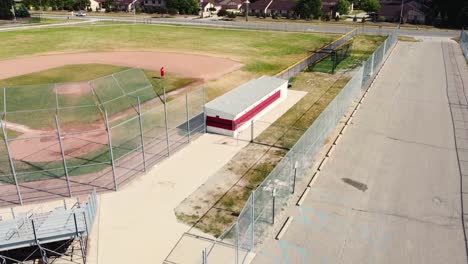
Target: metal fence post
column 252, row 131
column 188, row 117
column 64, row 161
column 12, row 166
column 372, row 64
column 252, row 206
column 296, row 164
column 166, row 123
column 204, row 111
column 237, row 243
column 4, row 102
column 111, row 152
column 140, row 119
column 273, row 205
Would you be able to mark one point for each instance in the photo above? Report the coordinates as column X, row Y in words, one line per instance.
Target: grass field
column 262, row 52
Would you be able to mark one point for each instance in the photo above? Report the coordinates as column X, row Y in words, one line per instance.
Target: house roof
column 328, row 5
column 238, row 100
column 283, row 5
column 260, row 5
column 394, row 10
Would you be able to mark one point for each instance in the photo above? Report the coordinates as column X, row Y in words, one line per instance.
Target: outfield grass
column 262, row 52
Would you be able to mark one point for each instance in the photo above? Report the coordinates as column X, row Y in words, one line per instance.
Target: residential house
column 207, row 5
column 120, row 5
column 154, row 3
column 268, row 7
column 413, row 12
column 329, row 7
column 230, row 5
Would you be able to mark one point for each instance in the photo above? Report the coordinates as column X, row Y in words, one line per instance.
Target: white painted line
column 284, row 228
column 303, row 196
column 324, row 161
column 330, row 151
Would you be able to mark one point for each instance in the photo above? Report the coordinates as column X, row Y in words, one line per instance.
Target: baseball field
column 80, row 73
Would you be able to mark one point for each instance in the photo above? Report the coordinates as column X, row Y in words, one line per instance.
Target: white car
column 81, row 14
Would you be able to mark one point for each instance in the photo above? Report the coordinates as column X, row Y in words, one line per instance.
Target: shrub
column 22, row 11
column 337, row 18
column 232, row 15
column 274, row 16
column 264, row 15
column 222, row 13
column 355, row 18
column 326, row 17
column 212, row 9
column 257, row 15
column 363, row 20
column 381, row 19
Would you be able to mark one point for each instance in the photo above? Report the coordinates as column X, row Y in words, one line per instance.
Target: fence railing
column 63, row 140
column 301, row 65
column 464, row 43
column 266, row 201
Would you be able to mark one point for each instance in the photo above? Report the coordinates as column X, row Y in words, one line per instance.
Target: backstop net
column 66, row 139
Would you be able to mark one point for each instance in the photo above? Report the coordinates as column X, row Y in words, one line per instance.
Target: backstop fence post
column 111, row 152
column 4, row 103
column 140, row 119
column 188, row 116
column 56, row 98
column 166, row 122
column 385, row 47
column 12, row 166
column 64, row 161
column 372, row 64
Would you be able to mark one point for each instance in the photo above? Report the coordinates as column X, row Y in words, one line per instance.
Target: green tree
column 5, row 9
column 370, row 6
column 21, row 11
column 309, row 8
column 343, row 7
column 184, row 6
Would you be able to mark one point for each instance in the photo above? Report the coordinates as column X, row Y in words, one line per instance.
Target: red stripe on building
column 234, row 124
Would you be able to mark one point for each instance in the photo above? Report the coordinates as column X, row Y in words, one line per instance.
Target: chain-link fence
column 60, row 140
column 464, row 43
column 298, row 67
column 272, row 195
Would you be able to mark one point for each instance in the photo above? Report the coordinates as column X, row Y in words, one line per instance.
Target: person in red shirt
column 162, row 72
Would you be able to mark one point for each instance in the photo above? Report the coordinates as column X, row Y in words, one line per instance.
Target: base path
column 390, row 193
column 188, row 65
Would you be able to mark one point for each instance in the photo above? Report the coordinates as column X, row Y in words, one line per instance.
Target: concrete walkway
column 391, row 191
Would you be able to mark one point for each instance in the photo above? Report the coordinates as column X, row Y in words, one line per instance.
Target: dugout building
column 235, row 110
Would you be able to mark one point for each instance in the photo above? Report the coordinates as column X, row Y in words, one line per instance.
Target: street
column 391, row 192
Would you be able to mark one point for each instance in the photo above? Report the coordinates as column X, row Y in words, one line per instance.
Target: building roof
column 283, row 5
column 238, row 100
column 393, row 10
column 260, row 5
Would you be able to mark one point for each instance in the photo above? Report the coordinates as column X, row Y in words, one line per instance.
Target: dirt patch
column 188, row 65
column 72, row 89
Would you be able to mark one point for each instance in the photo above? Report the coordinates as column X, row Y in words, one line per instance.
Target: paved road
column 391, row 191
column 294, row 27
